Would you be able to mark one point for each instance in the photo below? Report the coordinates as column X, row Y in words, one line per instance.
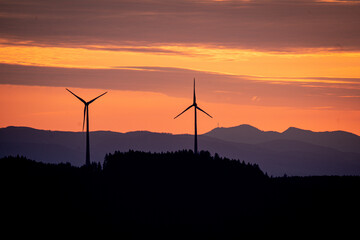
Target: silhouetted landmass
column 292, row 154
column 138, row 195
column 338, row 140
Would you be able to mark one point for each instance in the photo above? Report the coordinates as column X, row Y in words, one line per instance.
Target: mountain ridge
column 340, row 140
column 274, row 156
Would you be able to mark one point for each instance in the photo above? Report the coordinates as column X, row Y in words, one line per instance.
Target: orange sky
column 271, row 78
column 53, row 108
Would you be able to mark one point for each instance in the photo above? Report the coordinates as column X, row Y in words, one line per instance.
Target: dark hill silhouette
column 274, row 156
column 242, row 134
column 141, row 195
column 340, row 140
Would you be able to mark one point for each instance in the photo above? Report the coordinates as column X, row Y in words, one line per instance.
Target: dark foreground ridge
column 137, row 195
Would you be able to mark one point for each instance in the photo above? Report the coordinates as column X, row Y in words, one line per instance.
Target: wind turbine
column 196, row 107
column 86, row 115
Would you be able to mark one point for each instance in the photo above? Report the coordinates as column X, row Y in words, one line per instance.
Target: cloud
column 265, row 25
column 177, row 82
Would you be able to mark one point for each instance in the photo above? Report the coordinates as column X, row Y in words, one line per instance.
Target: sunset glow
column 256, row 66
column 201, row 58
column 53, row 108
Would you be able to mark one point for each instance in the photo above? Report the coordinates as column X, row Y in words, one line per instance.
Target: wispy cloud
column 358, row 96
column 312, row 81
column 259, row 24
column 176, row 82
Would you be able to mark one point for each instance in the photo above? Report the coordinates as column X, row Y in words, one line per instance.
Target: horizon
column 72, row 114
column 244, row 124
column 271, row 64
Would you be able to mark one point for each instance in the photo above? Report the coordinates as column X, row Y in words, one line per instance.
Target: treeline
column 172, row 195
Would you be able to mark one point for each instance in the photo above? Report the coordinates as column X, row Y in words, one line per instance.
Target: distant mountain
column 243, row 134
column 57, row 146
column 293, row 152
column 340, row 140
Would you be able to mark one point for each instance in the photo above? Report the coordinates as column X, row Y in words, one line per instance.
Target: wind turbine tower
column 86, row 116
column 196, row 107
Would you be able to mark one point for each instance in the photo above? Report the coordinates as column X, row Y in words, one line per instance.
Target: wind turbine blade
column 85, row 109
column 76, row 96
column 97, row 97
column 203, row 111
column 194, row 99
column 184, row 111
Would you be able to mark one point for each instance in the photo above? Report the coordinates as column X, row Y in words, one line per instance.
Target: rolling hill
column 340, row 140
column 293, row 152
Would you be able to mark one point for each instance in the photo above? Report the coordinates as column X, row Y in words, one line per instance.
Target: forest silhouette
column 173, row 195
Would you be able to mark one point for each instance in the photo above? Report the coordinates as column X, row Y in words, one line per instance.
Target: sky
column 270, row 64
